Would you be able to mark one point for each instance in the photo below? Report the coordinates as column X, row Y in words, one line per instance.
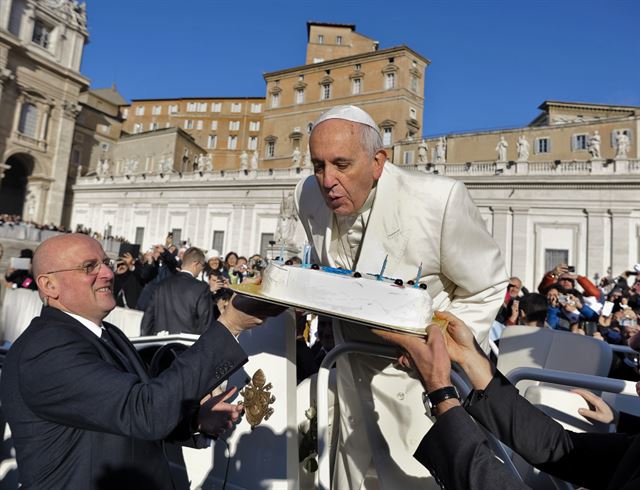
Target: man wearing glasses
column 181, row 303
column 82, row 408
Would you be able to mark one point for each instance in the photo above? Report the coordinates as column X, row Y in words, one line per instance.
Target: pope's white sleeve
column 471, row 259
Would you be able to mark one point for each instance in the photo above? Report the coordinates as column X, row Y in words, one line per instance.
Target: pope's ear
column 47, row 286
column 378, row 163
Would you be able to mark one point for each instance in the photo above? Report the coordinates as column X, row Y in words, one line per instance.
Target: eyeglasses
column 90, row 268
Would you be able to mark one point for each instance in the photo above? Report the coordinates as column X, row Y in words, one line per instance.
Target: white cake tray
column 255, row 291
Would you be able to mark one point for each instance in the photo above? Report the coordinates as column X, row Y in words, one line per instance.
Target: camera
column 571, row 268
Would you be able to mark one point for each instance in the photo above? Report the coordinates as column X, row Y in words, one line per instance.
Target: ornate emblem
column 257, row 399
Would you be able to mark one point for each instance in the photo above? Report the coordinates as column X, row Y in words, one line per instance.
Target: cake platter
column 255, row 291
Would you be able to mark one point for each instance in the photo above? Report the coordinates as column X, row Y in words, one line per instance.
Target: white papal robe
column 415, row 218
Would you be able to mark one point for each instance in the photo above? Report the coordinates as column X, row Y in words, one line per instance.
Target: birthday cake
column 368, row 297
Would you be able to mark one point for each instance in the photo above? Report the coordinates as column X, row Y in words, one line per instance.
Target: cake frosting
column 367, row 297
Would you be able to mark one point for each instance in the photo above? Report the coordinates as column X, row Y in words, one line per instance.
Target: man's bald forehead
column 49, row 252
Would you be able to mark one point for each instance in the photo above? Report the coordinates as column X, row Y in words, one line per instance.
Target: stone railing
column 31, row 233
column 290, row 173
column 572, row 167
column 469, row 169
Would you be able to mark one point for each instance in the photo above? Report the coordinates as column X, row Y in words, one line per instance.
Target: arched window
column 28, row 120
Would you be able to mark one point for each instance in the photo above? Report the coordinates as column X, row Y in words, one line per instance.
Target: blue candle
column 417, row 284
column 384, row 266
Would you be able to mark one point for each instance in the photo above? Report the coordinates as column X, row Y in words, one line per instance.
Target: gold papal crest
column 257, row 399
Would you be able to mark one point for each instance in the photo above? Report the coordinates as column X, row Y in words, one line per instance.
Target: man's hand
column 216, row 416
column 243, row 313
column 598, row 410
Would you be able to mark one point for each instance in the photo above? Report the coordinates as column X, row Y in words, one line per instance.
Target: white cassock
column 412, row 218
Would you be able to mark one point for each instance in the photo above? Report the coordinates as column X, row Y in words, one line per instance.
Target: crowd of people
column 11, row 220
column 567, row 301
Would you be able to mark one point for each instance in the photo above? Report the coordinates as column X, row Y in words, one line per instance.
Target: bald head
column 51, row 254
column 72, row 276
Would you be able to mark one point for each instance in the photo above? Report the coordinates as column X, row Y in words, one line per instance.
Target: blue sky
column 493, row 62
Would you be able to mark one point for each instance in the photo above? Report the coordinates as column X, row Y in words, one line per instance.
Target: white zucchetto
column 347, row 113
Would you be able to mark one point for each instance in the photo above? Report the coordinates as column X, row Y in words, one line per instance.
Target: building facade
column 41, row 45
column 225, row 127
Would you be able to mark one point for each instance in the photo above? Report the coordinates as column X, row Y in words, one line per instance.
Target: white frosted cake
column 382, row 301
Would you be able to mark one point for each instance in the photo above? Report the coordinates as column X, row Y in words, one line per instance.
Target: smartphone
column 563, row 298
column 571, row 268
column 607, row 309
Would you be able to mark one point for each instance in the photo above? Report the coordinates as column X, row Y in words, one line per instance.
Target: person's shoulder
column 44, row 333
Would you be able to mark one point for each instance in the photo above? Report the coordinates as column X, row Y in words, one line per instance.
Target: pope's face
column 344, row 171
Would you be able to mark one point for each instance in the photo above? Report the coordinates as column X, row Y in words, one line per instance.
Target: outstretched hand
column 243, row 313
column 216, row 416
column 598, row 410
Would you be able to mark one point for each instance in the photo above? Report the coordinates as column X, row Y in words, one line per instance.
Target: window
column 188, row 124
column 216, row 107
column 358, row 66
column 414, row 83
column 173, row 109
column 275, row 100
column 234, row 125
column 256, row 108
column 211, row 141
column 232, row 142
column 177, row 235
column 265, row 238
column 157, row 110
column 125, row 113
column 218, row 240
column 386, row 136
column 214, row 125
column 153, row 126
column 254, row 125
column 338, row 39
column 201, row 107
column 252, row 144
column 199, row 124
column 137, row 128
column 413, row 114
column 139, row 235
column 41, row 34
column 191, row 106
column 390, row 80
column 320, row 39
column 299, row 96
column 579, row 142
column 270, row 149
column 555, row 256
column 356, row 86
column 236, row 107
column 167, row 124
column 543, row 145
column 140, row 110
column 325, row 91
column 407, row 158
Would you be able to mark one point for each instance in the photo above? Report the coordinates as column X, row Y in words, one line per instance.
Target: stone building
column 225, row 127
column 345, row 68
column 41, row 45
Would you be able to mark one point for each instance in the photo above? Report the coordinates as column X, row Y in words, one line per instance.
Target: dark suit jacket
column 457, row 453
column 180, row 303
column 84, row 416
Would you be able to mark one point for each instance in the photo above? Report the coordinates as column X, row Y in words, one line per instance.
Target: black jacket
column 84, row 416
column 180, row 303
column 456, row 451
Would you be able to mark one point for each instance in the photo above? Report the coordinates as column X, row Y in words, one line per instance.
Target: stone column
column 519, row 250
column 500, row 232
column 522, row 167
column 620, row 232
column 60, row 144
column 597, row 220
column 5, row 14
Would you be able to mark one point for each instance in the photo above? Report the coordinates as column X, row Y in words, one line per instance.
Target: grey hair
column 370, row 139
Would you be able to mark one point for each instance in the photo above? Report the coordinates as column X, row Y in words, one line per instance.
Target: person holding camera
column 567, row 309
column 565, row 276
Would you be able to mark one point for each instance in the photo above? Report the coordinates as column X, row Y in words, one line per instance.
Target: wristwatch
column 433, row 399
